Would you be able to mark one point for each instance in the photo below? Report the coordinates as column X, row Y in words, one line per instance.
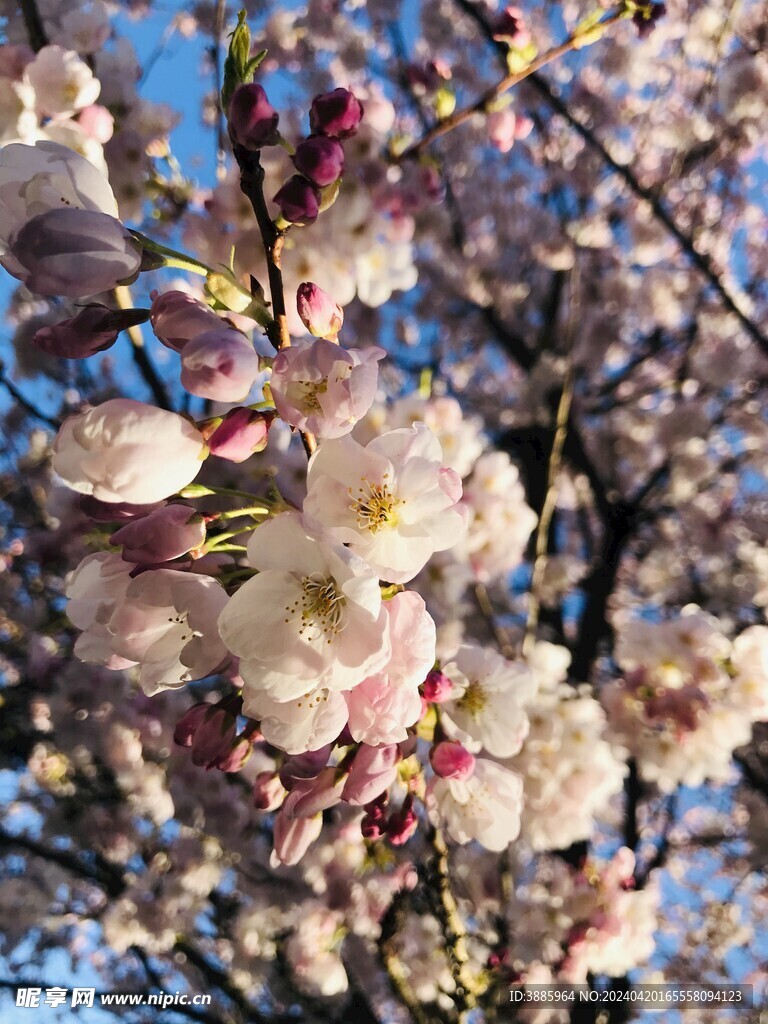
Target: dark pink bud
column 241, row 433
column 213, row 738
column 188, row 724
column 510, row 28
column 321, row 159
column 336, row 113
column 319, row 313
column 119, row 512
column 299, row 201
column 437, row 687
column 268, row 791
column 452, row 761
column 92, row 329
column 403, row 823
column 233, row 759
column 373, row 823
column 164, row 534
column 252, row 118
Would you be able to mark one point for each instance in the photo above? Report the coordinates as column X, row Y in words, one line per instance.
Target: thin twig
column 252, row 186
column 510, row 80
column 25, row 403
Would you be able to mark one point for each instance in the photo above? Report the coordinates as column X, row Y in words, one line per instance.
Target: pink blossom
column 320, row 387
column 63, row 83
column 382, row 707
column 485, row 806
column 391, row 501
column 292, row 837
column 312, row 618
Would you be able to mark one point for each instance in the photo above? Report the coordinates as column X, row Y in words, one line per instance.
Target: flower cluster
column 688, row 697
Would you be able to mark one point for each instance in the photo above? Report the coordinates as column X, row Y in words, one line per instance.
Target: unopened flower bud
column 268, row 791
column 299, row 201
column 241, row 433
column 73, row 252
column 644, row 19
column 437, row 687
column 373, row 771
column 403, row 823
column 510, row 28
column 337, row 113
column 177, row 318
column 220, row 364
column 452, row 761
column 373, row 823
column 162, row 535
column 252, row 118
column 320, row 159
column 233, row 759
column 319, row 313
column 92, row 329
column 188, row 724
column 213, row 737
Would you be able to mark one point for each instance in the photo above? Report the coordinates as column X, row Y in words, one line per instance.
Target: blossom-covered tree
column 383, row 540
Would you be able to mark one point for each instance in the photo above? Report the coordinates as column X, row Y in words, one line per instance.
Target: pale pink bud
column 437, row 687
column 176, row 318
column 451, row 761
column 73, row 252
column 319, row 313
column 268, row 791
column 523, row 127
column 220, row 364
column 501, row 125
column 241, row 433
column 188, row 724
column 162, row 535
column 126, row 451
column 97, row 122
column 292, row 837
column 310, row 796
column 373, row 771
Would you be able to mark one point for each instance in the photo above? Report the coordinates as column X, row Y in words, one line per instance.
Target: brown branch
column 33, row 24
column 252, row 186
column 510, row 80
